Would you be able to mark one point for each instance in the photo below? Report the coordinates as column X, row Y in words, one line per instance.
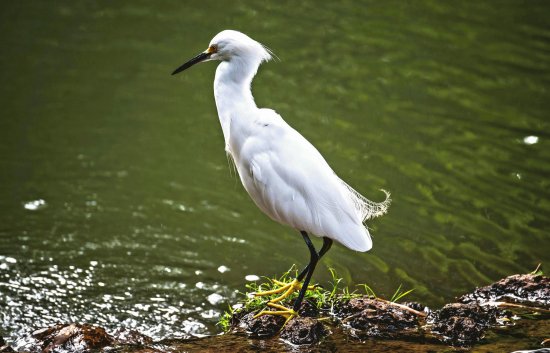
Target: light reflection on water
column 75, row 294
column 117, row 204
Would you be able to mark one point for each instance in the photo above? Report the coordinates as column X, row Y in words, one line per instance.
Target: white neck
column 232, row 91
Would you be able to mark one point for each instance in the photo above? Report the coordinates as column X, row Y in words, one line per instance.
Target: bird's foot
column 287, row 313
column 285, row 288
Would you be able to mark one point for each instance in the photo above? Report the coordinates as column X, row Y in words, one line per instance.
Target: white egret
column 283, row 173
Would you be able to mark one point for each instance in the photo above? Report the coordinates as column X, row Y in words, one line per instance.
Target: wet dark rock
column 308, row 309
column 70, row 337
column 376, row 318
column 303, row 330
column 4, row 346
column 526, row 289
column 262, row 327
column 267, row 325
column 458, row 324
column 131, row 337
column 463, row 324
column 82, row 338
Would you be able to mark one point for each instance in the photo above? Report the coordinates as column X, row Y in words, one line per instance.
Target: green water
column 117, row 204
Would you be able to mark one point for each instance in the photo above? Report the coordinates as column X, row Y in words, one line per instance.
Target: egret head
column 231, row 45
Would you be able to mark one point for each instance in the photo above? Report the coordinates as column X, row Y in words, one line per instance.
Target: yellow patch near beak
column 211, row 50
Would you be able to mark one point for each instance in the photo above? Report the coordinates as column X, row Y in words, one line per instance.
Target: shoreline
column 514, row 307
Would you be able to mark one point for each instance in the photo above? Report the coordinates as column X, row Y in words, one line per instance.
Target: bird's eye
column 212, row 49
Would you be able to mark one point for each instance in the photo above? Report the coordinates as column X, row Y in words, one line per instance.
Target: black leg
column 327, row 243
column 310, row 268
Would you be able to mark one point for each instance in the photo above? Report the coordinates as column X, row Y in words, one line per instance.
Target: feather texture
column 284, row 174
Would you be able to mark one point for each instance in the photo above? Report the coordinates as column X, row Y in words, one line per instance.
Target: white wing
column 291, row 182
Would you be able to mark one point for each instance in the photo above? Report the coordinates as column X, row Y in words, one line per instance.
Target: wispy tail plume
column 367, row 208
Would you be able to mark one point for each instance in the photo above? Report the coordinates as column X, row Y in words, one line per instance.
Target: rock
column 303, row 330
column 83, row 338
column 308, row 309
column 262, row 327
column 70, row 337
column 269, row 325
column 376, row 318
column 402, row 325
column 463, row 324
column 526, row 289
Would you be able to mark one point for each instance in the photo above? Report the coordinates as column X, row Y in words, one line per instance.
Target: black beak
column 197, row 59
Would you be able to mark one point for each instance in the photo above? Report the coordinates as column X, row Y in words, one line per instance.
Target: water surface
column 117, row 204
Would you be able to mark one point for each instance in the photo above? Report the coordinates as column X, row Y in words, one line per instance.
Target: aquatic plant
column 316, row 295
